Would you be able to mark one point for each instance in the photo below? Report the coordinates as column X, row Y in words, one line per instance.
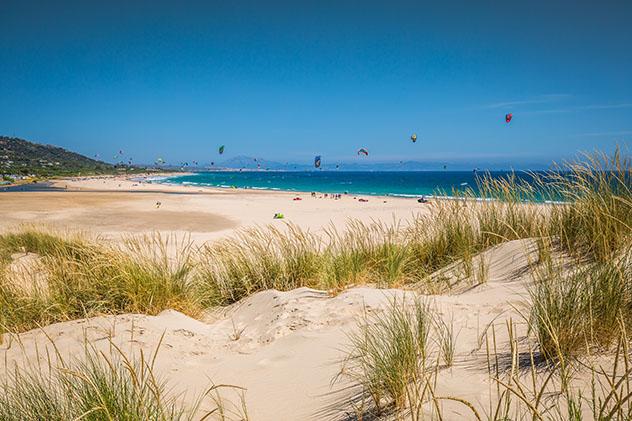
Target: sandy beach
column 118, row 205
column 285, row 350
column 289, row 347
column 315, row 211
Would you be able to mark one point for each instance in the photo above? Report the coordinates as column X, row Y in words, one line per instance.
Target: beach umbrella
column 317, row 161
column 363, row 151
column 508, row 117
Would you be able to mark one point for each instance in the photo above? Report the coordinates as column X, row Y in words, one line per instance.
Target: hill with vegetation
column 21, row 157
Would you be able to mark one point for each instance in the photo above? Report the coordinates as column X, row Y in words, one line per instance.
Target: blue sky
column 288, row 80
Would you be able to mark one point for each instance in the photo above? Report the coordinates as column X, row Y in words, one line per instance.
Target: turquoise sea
column 382, row 183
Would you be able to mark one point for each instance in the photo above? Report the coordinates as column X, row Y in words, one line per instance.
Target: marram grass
column 398, row 356
column 591, row 221
column 83, row 278
column 103, row 386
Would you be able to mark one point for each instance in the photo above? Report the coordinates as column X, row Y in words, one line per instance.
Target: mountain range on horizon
column 253, row 163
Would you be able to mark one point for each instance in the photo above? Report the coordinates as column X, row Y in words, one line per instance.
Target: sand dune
column 285, row 348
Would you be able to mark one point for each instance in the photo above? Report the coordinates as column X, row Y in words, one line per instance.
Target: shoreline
column 166, row 181
column 115, row 206
column 163, row 180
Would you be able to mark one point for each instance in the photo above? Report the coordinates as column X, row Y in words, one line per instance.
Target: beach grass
column 573, row 311
column 255, row 260
column 96, row 387
column 581, row 300
column 82, row 278
column 389, row 352
column 107, row 386
column 597, row 221
column 85, row 276
column 395, row 357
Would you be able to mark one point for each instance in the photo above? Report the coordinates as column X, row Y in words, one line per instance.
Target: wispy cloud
column 600, row 134
column 542, row 99
column 581, row 108
column 553, row 98
column 606, row 106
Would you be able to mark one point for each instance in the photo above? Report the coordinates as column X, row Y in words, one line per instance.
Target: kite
column 317, row 161
column 508, row 117
column 363, row 151
column 221, row 149
column 414, row 137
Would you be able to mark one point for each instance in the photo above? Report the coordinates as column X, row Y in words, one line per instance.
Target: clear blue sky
column 288, row 80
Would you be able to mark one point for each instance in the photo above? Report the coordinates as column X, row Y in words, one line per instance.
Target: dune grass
column 93, row 388
column 377, row 253
column 589, row 217
column 396, row 355
column 106, row 386
column 573, row 311
column 590, row 221
column 597, row 221
column 395, row 358
column 583, row 305
column 82, row 278
column 256, row 260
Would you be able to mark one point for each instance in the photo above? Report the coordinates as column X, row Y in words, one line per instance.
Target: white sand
column 116, row 206
column 285, row 348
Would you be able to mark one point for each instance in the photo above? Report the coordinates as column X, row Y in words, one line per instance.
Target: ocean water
column 382, row 183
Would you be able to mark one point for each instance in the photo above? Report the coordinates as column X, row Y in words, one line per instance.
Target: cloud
column 580, row 108
column 605, row 106
column 551, row 98
column 542, row 99
column 599, row 134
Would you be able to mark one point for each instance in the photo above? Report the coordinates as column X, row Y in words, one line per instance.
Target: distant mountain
column 251, row 163
column 21, row 157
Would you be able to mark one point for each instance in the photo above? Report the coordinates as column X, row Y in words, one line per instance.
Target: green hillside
column 21, row 157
